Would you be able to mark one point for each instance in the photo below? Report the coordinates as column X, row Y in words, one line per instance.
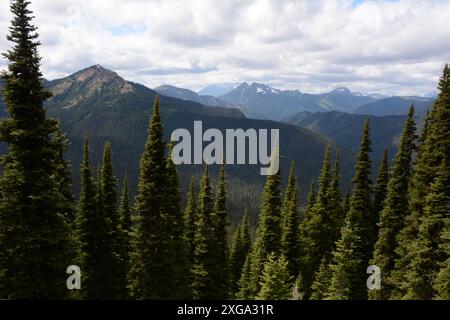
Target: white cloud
column 392, row 47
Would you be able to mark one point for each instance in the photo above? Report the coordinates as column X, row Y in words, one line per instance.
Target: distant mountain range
column 217, row 90
column 396, row 106
column 260, row 101
column 98, row 102
column 344, row 129
column 186, row 94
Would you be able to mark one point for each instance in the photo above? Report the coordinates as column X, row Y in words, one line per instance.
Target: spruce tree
column 429, row 251
column 434, row 148
column 337, row 215
column 346, row 202
column 322, row 281
column 379, row 195
column 220, row 253
column 93, row 232
column 315, row 233
column 107, row 190
column 360, row 216
column 189, row 218
column 153, row 266
column 245, row 292
column 202, row 267
column 276, row 282
column 345, row 266
column 442, row 282
column 268, row 234
column 125, row 227
column 290, row 230
column 239, row 251
column 395, row 209
column 180, row 277
column 35, row 244
column 64, row 174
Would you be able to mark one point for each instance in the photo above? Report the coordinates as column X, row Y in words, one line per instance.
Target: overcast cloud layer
column 391, row 47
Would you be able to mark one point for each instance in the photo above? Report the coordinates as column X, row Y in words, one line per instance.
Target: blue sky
column 390, row 47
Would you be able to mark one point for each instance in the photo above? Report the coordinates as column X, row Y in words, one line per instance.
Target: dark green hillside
column 344, row 129
column 98, row 102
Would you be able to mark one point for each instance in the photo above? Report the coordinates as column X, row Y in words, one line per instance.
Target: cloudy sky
column 385, row 46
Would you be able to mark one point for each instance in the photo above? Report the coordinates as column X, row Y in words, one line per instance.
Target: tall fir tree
column 152, row 270
column 202, row 266
column 395, row 209
column 180, row 267
column 434, row 148
column 379, row 195
column 240, row 248
column 220, row 253
column 346, row 202
column 64, row 174
column 290, row 235
column 245, row 292
column 360, row 218
column 337, row 215
column 107, row 190
column 189, row 218
column 429, row 250
column 276, row 282
column 345, row 266
column 93, row 232
column 322, row 281
column 315, row 235
column 268, row 234
column 35, row 243
column 309, row 203
column 125, row 228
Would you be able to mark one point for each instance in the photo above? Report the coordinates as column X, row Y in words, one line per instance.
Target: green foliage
column 392, row 217
column 35, row 244
column 322, row 281
column 360, row 219
column 124, row 245
column 290, row 228
column 268, row 234
column 245, row 292
column 219, row 254
column 154, row 246
column 345, row 266
column 96, row 256
column 239, row 251
column 276, row 283
column 189, row 218
column 317, row 231
column 201, row 270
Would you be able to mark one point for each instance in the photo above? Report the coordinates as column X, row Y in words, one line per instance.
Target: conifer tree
column 276, row 282
column 201, row 270
column 346, row 202
column 360, row 221
column 430, row 248
column 153, row 266
column 345, row 266
column 290, row 230
column 442, row 282
column 245, row 292
column 180, row 267
column 315, row 233
column 220, row 253
column 108, row 208
column 268, row 234
column 322, row 281
column 395, row 209
column 337, row 215
column 434, row 148
column 309, row 204
column 64, row 174
column 239, row 251
column 34, row 236
column 379, row 195
column 93, row 232
column 189, row 218
column 125, row 227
